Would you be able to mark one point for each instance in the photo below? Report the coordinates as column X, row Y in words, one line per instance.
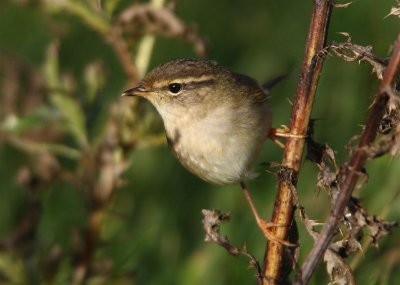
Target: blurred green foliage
column 59, row 77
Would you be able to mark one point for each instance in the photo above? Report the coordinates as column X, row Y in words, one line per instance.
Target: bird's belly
column 222, row 146
column 217, row 159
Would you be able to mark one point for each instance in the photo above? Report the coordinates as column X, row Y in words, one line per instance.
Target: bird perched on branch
column 216, row 121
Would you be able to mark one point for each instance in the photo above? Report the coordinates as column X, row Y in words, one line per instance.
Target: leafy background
column 64, row 76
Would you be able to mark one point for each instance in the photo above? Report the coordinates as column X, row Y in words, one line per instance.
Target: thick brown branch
column 274, row 268
column 357, row 161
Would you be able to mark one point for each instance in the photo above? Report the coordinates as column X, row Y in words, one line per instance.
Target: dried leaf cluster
column 212, row 220
column 356, row 220
column 395, row 10
column 140, row 19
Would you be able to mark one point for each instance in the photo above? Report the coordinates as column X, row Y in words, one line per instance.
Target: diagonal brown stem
column 275, row 271
column 357, row 161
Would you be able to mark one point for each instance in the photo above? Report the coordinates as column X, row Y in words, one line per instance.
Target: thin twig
column 357, row 161
column 122, row 50
column 146, row 45
column 274, row 268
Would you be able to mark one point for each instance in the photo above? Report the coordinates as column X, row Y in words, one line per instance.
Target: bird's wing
column 251, row 88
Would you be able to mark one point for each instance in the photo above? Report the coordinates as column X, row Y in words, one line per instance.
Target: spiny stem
column 275, row 270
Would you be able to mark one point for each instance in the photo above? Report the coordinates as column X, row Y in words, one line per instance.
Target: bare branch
column 353, row 52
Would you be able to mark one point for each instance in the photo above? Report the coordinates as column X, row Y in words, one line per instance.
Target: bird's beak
column 138, row 90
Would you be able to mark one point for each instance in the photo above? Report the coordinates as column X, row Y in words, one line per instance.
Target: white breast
column 216, row 147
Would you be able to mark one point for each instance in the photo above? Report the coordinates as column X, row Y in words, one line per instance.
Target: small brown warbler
column 216, row 120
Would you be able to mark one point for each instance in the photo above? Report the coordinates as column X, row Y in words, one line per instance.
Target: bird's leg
column 263, row 224
column 283, row 132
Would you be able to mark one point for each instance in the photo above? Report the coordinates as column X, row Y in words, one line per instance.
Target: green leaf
column 34, row 120
column 90, row 16
column 73, row 114
column 33, row 147
column 12, row 269
column 67, row 106
column 94, row 79
column 111, row 6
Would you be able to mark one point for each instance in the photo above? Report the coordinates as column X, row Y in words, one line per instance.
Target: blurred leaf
column 51, row 68
column 110, row 6
column 94, row 79
column 78, row 8
column 33, row 147
column 74, row 116
column 34, row 120
column 68, row 107
column 12, row 269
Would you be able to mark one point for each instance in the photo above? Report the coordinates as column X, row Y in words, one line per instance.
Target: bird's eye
column 175, row 88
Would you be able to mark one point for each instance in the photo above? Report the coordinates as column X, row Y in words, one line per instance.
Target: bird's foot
column 283, row 132
column 265, row 226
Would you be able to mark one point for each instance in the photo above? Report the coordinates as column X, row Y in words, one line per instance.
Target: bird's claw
column 265, row 225
column 283, row 132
